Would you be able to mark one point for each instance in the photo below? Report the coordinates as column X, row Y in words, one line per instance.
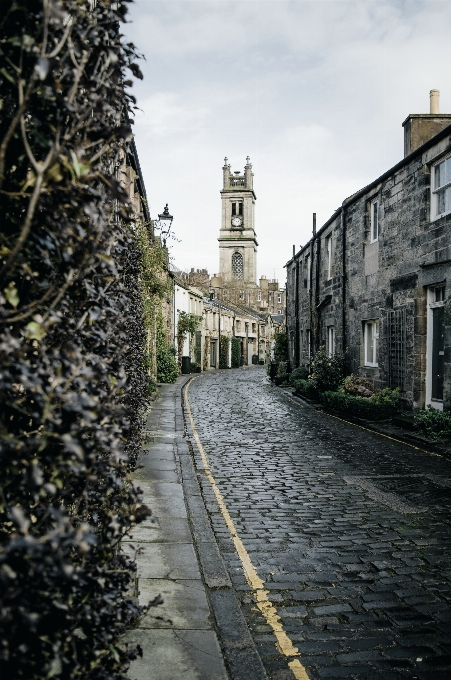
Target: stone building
column 255, row 332
column 374, row 280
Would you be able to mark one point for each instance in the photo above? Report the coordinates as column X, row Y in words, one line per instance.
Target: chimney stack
column 419, row 128
column 434, row 99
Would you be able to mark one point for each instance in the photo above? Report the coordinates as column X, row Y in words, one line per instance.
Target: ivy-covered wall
column 75, row 349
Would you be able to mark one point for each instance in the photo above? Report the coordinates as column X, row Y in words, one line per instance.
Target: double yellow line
column 284, row 644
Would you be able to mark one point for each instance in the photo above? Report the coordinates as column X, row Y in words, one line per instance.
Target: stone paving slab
column 185, row 604
column 174, row 654
column 164, row 560
column 163, row 530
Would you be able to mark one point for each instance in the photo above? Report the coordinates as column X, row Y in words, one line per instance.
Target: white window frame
column 374, row 223
column 331, row 340
column 259, row 296
column 328, row 240
column 435, row 215
column 371, row 325
column 279, row 298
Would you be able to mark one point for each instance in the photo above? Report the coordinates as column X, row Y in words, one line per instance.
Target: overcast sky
column 315, row 92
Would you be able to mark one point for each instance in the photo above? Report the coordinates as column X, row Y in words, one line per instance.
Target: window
column 307, row 266
column 233, row 209
column 254, row 327
column 241, row 294
column 441, row 188
column 371, row 341
column 270, row 297
column 259, row 296
column 237, row 265
column 328, row 243
column 330, row 340
column 240, row 208
column 374, row 235
column 237, row 209
column 279, row 298
column 238, row 325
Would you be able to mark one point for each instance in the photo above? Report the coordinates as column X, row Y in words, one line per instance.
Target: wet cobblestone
column 349, row 531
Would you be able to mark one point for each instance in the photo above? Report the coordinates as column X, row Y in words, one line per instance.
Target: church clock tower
column 237, row 238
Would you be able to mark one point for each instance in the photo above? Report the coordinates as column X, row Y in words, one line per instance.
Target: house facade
column 374, row 280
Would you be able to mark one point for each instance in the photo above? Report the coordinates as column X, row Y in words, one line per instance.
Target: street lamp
column 165, row 223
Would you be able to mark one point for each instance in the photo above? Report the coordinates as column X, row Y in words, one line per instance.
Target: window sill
column 438, row 217
column 370, row 365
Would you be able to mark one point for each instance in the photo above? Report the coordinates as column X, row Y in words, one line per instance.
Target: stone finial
column 225, row 160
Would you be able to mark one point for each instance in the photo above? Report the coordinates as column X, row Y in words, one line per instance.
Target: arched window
column 237, row 265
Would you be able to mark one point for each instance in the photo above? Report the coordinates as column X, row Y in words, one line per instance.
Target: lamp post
column 165, row 223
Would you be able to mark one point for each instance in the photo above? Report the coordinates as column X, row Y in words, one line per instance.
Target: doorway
column 435, row 346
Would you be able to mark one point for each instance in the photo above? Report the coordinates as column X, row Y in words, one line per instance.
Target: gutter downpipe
column 317, row 282
column 343, row 284
column 296, row 311
column 312, row 243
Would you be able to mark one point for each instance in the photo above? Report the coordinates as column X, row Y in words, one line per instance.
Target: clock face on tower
column 236, row 221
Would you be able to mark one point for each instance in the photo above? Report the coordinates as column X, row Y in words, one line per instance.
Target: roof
column 354, row 197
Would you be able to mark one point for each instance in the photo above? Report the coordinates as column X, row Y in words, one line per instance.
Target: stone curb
column 240, row 654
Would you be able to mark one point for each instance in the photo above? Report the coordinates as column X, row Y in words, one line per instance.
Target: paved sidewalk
column 199, row 632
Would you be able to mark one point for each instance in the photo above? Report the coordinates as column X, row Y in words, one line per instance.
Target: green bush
column 72, row 383
column 433, row 423
column 327, row 371
column 304, row 388
column 236, row 352
column 300, row 373
column 280, row 347
column 358, row 387
column 224, row 352
column 152, row 387
column 378, row 407
column 167, row 366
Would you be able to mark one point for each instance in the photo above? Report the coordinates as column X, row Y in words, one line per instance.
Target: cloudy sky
column 314, row 91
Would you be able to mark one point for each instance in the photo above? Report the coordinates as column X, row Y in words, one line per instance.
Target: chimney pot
column 434, row 98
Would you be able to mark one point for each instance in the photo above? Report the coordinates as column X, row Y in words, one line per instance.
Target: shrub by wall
column 434, row 424
column 167, row 365
column 379, row 408
column 300, row 373
column 72, row 380
column 327, row 371
column 236, row 352
column 224, row 352
column 304, row 388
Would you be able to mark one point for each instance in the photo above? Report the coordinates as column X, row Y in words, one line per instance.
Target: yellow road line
column 284, row 644
column 367, row 429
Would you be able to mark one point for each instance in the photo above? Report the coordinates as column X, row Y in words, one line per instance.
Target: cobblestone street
column 348, row 530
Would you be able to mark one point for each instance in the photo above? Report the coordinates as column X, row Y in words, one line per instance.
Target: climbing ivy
column 186, row 324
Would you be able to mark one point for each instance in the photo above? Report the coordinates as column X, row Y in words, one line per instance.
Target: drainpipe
column 317, row 282
column 296, row 311
column 343, row 278
column 312, row 242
